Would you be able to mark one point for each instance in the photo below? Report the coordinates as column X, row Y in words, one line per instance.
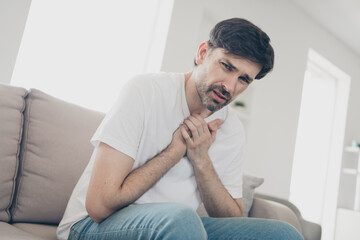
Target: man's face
column 221, row 77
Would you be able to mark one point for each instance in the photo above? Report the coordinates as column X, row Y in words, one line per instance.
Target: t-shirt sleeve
column 123, row 125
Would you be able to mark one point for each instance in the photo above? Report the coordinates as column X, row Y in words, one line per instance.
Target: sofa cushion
column 42, row 231
column 12, row 105
column 54, row 152
column 9, row 232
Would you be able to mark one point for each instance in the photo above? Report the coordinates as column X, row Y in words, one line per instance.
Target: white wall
column 276, row 99
column 13, row 16
column 180, row 47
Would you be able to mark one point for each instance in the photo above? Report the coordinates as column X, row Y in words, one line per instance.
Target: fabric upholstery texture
column 47, row 232
column 8, row 232
column 12, row 105
column 273, row 210
column 249, row 185
column 52, row 156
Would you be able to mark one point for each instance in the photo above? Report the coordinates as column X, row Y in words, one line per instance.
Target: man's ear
column 202, row 52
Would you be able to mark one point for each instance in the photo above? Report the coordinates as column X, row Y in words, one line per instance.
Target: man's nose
column 229, row 85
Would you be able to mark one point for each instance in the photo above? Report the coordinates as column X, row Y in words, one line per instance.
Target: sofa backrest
column 55, row 148
column 12, row 105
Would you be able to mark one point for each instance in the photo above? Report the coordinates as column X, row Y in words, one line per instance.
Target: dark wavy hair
column 242, row 38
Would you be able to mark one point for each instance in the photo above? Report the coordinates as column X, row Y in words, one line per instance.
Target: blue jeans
column 176, row 221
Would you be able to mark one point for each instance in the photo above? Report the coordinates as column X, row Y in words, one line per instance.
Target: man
column 170, row 143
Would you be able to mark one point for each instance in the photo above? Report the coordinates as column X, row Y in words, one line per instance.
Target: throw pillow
column 249, row 185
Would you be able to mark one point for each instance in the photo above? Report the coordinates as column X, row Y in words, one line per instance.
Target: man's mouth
column 220, row 98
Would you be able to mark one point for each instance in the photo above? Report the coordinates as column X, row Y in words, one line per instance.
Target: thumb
column 215, row 124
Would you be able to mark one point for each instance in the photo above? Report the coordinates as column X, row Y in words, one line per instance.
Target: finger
column 185, row 134
column 202, row 122
column 187, row 129
column 213, row 134
column 192, row 127
column 197, row 123
column 215, row 124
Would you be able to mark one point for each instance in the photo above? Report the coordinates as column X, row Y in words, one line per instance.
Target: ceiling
column 340, row 17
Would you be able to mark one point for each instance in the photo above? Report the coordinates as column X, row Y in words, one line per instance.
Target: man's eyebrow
column 231, row 65
column 246, row 76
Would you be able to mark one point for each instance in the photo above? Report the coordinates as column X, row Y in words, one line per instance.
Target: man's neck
column 192, row 97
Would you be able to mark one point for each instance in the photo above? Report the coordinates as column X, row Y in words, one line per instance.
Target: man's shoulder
column 153, row 89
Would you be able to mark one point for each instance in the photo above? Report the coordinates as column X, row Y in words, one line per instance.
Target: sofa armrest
column 309, row 230
column 263, row 208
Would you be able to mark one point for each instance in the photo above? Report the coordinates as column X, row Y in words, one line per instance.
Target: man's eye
column 226, row 66
column 244, row 79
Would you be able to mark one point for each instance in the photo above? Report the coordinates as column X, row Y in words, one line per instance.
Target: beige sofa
column 44, row 147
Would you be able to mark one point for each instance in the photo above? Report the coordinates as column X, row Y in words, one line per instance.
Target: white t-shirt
column 140, row 124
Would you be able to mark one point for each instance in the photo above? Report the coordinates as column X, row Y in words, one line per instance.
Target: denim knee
column 165, row 221
column 180, row 221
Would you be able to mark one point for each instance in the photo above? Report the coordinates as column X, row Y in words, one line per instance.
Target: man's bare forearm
column 215, row 197
column 110, row 197
column 217, row 201
column 142, row 179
